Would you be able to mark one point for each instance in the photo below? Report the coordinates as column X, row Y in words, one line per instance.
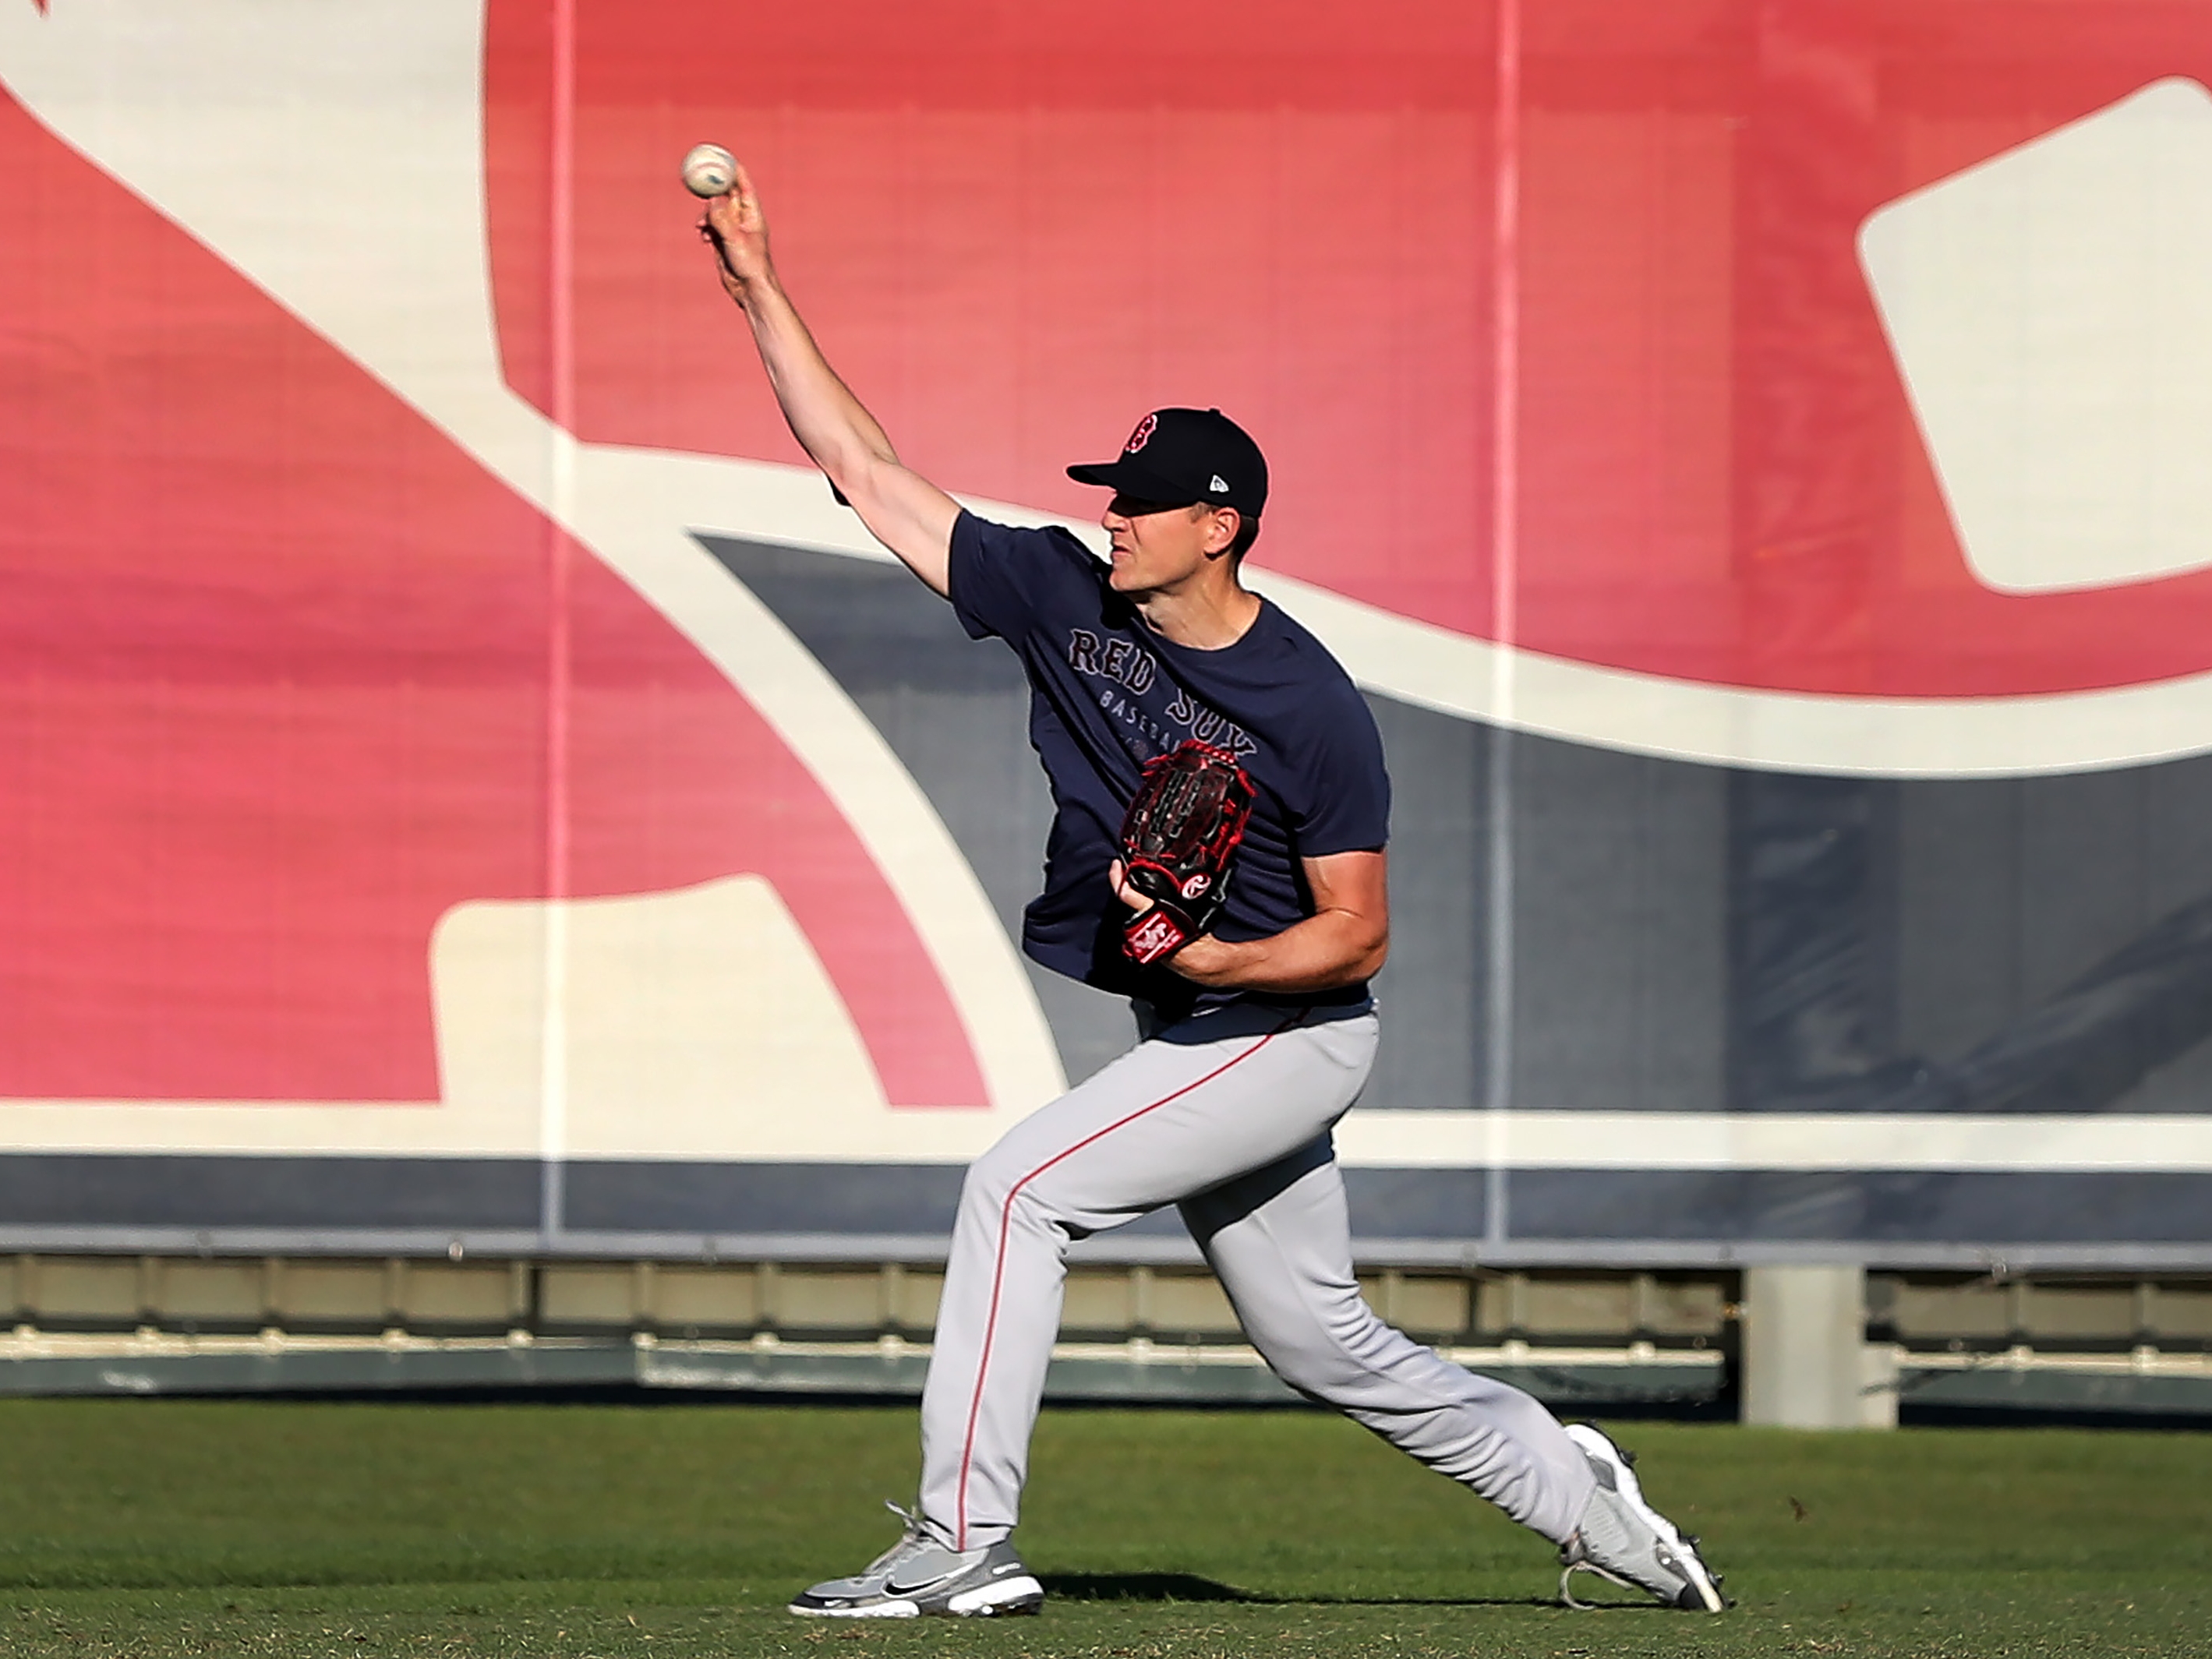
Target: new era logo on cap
column 1179, row 457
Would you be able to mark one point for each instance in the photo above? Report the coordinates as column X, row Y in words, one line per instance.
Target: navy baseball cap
column 1180, row 457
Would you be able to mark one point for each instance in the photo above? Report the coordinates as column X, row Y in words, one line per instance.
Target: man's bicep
column 912, row 517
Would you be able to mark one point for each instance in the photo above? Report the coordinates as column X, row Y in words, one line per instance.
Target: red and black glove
column 1181, row 834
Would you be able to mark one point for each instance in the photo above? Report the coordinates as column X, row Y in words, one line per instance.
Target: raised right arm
column 902, row 509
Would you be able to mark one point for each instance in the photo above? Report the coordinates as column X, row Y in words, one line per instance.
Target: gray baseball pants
column 1227, row 1116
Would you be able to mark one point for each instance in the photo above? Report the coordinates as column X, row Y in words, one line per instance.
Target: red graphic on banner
column 1012, row 234
column 274, row 689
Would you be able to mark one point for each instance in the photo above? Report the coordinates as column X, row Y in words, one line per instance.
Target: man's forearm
column 904, row 511
column 832, row 425
column 1324, row 952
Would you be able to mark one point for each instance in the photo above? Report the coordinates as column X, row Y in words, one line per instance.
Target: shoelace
column 913, row 1532
column 1567, row 1571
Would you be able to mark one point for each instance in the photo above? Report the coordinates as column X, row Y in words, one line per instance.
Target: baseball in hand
column 709, row 169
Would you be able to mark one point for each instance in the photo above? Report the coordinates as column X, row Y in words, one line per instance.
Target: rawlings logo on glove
column 1181, row 831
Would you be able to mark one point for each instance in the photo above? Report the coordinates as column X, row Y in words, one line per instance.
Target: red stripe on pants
column 998, row 1267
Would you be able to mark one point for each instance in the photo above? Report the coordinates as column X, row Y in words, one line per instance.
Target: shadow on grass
column 1189, row 1587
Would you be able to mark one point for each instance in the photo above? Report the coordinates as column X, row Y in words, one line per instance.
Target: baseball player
column 1256, row 1024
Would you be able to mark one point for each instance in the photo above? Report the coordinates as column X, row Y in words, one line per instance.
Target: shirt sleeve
column 1347, row 788
column 1001, row 578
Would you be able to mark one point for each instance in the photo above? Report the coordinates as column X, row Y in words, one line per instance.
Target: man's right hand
column 735, row 228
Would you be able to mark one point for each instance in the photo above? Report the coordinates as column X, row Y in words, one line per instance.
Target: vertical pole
column 1807, row 1364
column 553, row 1054
column 1504, row 593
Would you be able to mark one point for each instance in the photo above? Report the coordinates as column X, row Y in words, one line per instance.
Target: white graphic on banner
column 2051, row 313
column 693, row 1029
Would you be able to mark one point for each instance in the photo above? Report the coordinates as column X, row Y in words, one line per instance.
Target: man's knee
column 1006, row 1183
column 990, row 1181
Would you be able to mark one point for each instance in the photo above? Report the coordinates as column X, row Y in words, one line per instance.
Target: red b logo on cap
column 1137, row 438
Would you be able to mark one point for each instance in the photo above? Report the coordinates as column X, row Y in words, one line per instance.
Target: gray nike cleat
column 918, row 1576
column 1622, row 1538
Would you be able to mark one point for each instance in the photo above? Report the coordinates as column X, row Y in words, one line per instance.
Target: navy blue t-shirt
column 1108, row 694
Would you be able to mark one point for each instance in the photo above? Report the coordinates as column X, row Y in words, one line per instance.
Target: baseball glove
column 1181, row 831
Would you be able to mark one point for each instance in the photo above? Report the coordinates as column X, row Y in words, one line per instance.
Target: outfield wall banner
column 469, row 784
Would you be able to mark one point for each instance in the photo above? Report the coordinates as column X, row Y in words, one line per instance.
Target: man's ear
column 1221, row 533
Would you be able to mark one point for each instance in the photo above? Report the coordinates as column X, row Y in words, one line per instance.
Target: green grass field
column 218, row 1527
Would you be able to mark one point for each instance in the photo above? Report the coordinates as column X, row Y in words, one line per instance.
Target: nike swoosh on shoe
column 893, row 1587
